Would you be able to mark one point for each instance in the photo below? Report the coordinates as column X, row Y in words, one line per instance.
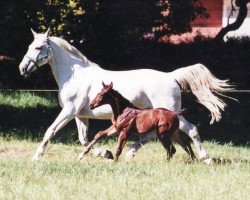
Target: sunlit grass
column 28, row 99
column 59, row 175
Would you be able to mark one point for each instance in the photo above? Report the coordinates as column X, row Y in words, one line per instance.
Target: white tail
column 203, row 84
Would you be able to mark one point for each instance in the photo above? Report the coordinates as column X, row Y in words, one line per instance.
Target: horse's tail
column 203, row 84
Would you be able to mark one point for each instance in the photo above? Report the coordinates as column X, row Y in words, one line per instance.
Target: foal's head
column 103, row 97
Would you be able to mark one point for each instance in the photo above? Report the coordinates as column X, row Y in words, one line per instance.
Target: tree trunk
column 242, row 4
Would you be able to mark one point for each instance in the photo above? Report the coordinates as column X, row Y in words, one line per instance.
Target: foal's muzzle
column 91, row 106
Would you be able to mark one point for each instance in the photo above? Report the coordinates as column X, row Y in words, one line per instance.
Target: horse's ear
column 47, row 33
column 33, row 32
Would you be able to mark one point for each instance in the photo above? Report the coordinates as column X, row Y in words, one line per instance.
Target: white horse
column 79, row 80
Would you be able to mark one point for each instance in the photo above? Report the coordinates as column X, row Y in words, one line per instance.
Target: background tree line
column 122, row 35
column 117, row 35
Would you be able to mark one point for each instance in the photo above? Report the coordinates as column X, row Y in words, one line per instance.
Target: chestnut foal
column 127, row 119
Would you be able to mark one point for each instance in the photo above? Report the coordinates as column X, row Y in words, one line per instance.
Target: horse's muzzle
column 24, row 72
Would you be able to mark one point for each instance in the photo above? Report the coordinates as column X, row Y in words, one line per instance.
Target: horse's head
column 102, row 97
column 38, row 54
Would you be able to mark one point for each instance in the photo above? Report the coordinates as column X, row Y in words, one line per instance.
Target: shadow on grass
column 32, row 122
column 226, row 161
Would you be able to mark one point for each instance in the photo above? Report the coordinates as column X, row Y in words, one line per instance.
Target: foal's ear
column 103, row 84
column 111, row 85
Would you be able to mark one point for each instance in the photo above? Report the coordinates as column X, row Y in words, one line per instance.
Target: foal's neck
column 118, row 104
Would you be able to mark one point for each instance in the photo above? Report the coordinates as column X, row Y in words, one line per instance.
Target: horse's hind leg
column 82, row 128
column 192, row 131
column 137, row 145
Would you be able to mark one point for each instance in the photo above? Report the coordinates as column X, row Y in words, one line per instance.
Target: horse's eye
column 38, row 48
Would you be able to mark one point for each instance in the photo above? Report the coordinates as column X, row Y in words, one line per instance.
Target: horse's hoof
column 80, row 156
column 107, row 154
column 35, row 158
column 208, row 161
column 129, row 156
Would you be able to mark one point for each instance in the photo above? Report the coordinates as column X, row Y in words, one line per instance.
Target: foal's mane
column 122, row 100
column 68, row 47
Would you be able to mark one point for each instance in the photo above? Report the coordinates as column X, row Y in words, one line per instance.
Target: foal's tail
column 203, row 84
column 181, row 112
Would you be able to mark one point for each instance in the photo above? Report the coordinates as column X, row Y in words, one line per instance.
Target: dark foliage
column 110, row 33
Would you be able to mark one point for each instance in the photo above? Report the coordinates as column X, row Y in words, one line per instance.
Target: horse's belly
column 104, row 112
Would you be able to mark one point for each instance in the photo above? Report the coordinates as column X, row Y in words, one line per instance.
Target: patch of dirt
column 13, row 153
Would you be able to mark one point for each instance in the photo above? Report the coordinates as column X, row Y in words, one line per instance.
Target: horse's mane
column 64, row 44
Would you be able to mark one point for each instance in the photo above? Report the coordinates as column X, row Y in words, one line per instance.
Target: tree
column 242, row 4
column 127, row 19
column 98, row 28
column 176, row 16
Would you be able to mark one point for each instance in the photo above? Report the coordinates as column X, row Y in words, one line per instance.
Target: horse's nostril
column 24, row 69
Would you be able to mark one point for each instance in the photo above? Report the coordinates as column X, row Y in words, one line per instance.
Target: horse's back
column 145, row 88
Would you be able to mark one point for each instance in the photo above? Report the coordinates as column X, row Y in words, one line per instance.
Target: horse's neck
column 64, row 65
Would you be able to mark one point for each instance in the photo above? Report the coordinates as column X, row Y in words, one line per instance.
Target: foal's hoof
column 107, row 154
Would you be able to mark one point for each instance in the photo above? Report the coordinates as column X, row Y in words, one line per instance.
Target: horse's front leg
column 108, row 132
column 62, row 119
column 82, row 127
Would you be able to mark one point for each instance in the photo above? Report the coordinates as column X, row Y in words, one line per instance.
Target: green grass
column 23, row 99
column 59, row 175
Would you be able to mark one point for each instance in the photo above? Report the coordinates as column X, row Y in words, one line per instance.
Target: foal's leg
column 108, row 132
column 120, row 145
column 163, row 136
column 168, row 145
column 184, row 144
column 192, row 131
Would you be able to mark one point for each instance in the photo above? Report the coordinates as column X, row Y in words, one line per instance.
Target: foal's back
column 160, row 119
column 145, row 120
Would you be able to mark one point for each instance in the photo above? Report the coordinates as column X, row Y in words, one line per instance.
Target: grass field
column 59, row 175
